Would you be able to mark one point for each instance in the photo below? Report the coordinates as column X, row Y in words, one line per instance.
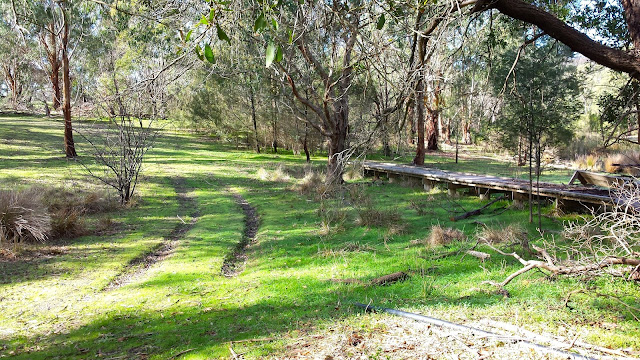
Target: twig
column 181, row 353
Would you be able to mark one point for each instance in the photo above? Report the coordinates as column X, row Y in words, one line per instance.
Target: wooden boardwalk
column 568, row 196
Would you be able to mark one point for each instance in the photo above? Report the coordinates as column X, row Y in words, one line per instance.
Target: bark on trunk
column 632, row 16
column 432, row 129
column 54, row 63
column 419, row 116
column 466, row 133
column 253, row 117
column 69, row 145
column 305, row 146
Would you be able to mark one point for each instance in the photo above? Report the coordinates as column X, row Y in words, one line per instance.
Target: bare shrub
column 23, row 216
column 508, row 234
column 359, row 196
column 443, row 236
column 118, row 149
column 627, row 162
column 611, row 233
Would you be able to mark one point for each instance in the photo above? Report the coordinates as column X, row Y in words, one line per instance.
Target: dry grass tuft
column 619, row 163
column 279, row 174
column 311, row 183
column 443, row 236
column 332, row 217
column 68, row 223
column 588, row 162
column 370, row 216
column 23, row 216
column 508, row 234
column 353, row 173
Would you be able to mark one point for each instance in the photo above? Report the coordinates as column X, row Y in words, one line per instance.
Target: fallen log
column 478, row 211
column 479, row 254
column 382, row 280
column 389, row 279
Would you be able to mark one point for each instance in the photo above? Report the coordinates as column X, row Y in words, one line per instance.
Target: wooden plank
column 600, row 180
column 430, row 175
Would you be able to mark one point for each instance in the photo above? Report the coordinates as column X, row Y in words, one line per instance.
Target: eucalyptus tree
column 329, row 39
column 50, row 21
column 15, row 63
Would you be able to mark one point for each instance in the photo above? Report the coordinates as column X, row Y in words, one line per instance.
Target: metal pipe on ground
column 475, row 331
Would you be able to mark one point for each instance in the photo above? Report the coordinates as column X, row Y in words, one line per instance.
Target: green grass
column 53, row 307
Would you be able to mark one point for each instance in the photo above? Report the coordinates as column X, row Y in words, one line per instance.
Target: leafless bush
column 23, row 216
column 594, row 245
column 442, row 236
column 611, row 233
column 118, row 148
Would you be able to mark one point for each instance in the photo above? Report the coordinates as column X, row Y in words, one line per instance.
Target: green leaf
column 261, row 23
column 198, row 51
column 204, row 21
column 212, row 15
column 279, row 54
column 208, row 53
column 222, row 35
column 275, row 24
column 186, row 39
column 290, row 36
column 381, row 21
column 271, row 54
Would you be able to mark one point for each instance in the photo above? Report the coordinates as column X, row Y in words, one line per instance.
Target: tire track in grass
column 235, row 261
column 140, row 264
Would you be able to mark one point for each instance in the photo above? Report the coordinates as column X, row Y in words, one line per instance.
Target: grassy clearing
column 52, row 304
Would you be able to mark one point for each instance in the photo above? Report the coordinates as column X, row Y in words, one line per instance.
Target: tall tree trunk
column 252, row 96
column 632, row 16
column 10, row 75
column 337, row 146
column 305, row 145
column 54, row 62
column 69, row 145
column 432, row 128
column 466, row 133
column 410, row 114
column 419, row 116
column 274, row 125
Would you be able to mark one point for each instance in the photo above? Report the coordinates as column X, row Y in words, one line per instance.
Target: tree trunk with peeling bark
column 69, row 145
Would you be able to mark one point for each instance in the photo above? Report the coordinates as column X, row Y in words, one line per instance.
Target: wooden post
column 394, row 178
column 485, row 194
column 413, row 181
column 428, row 184
column 451, row 189
column 519, row 198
